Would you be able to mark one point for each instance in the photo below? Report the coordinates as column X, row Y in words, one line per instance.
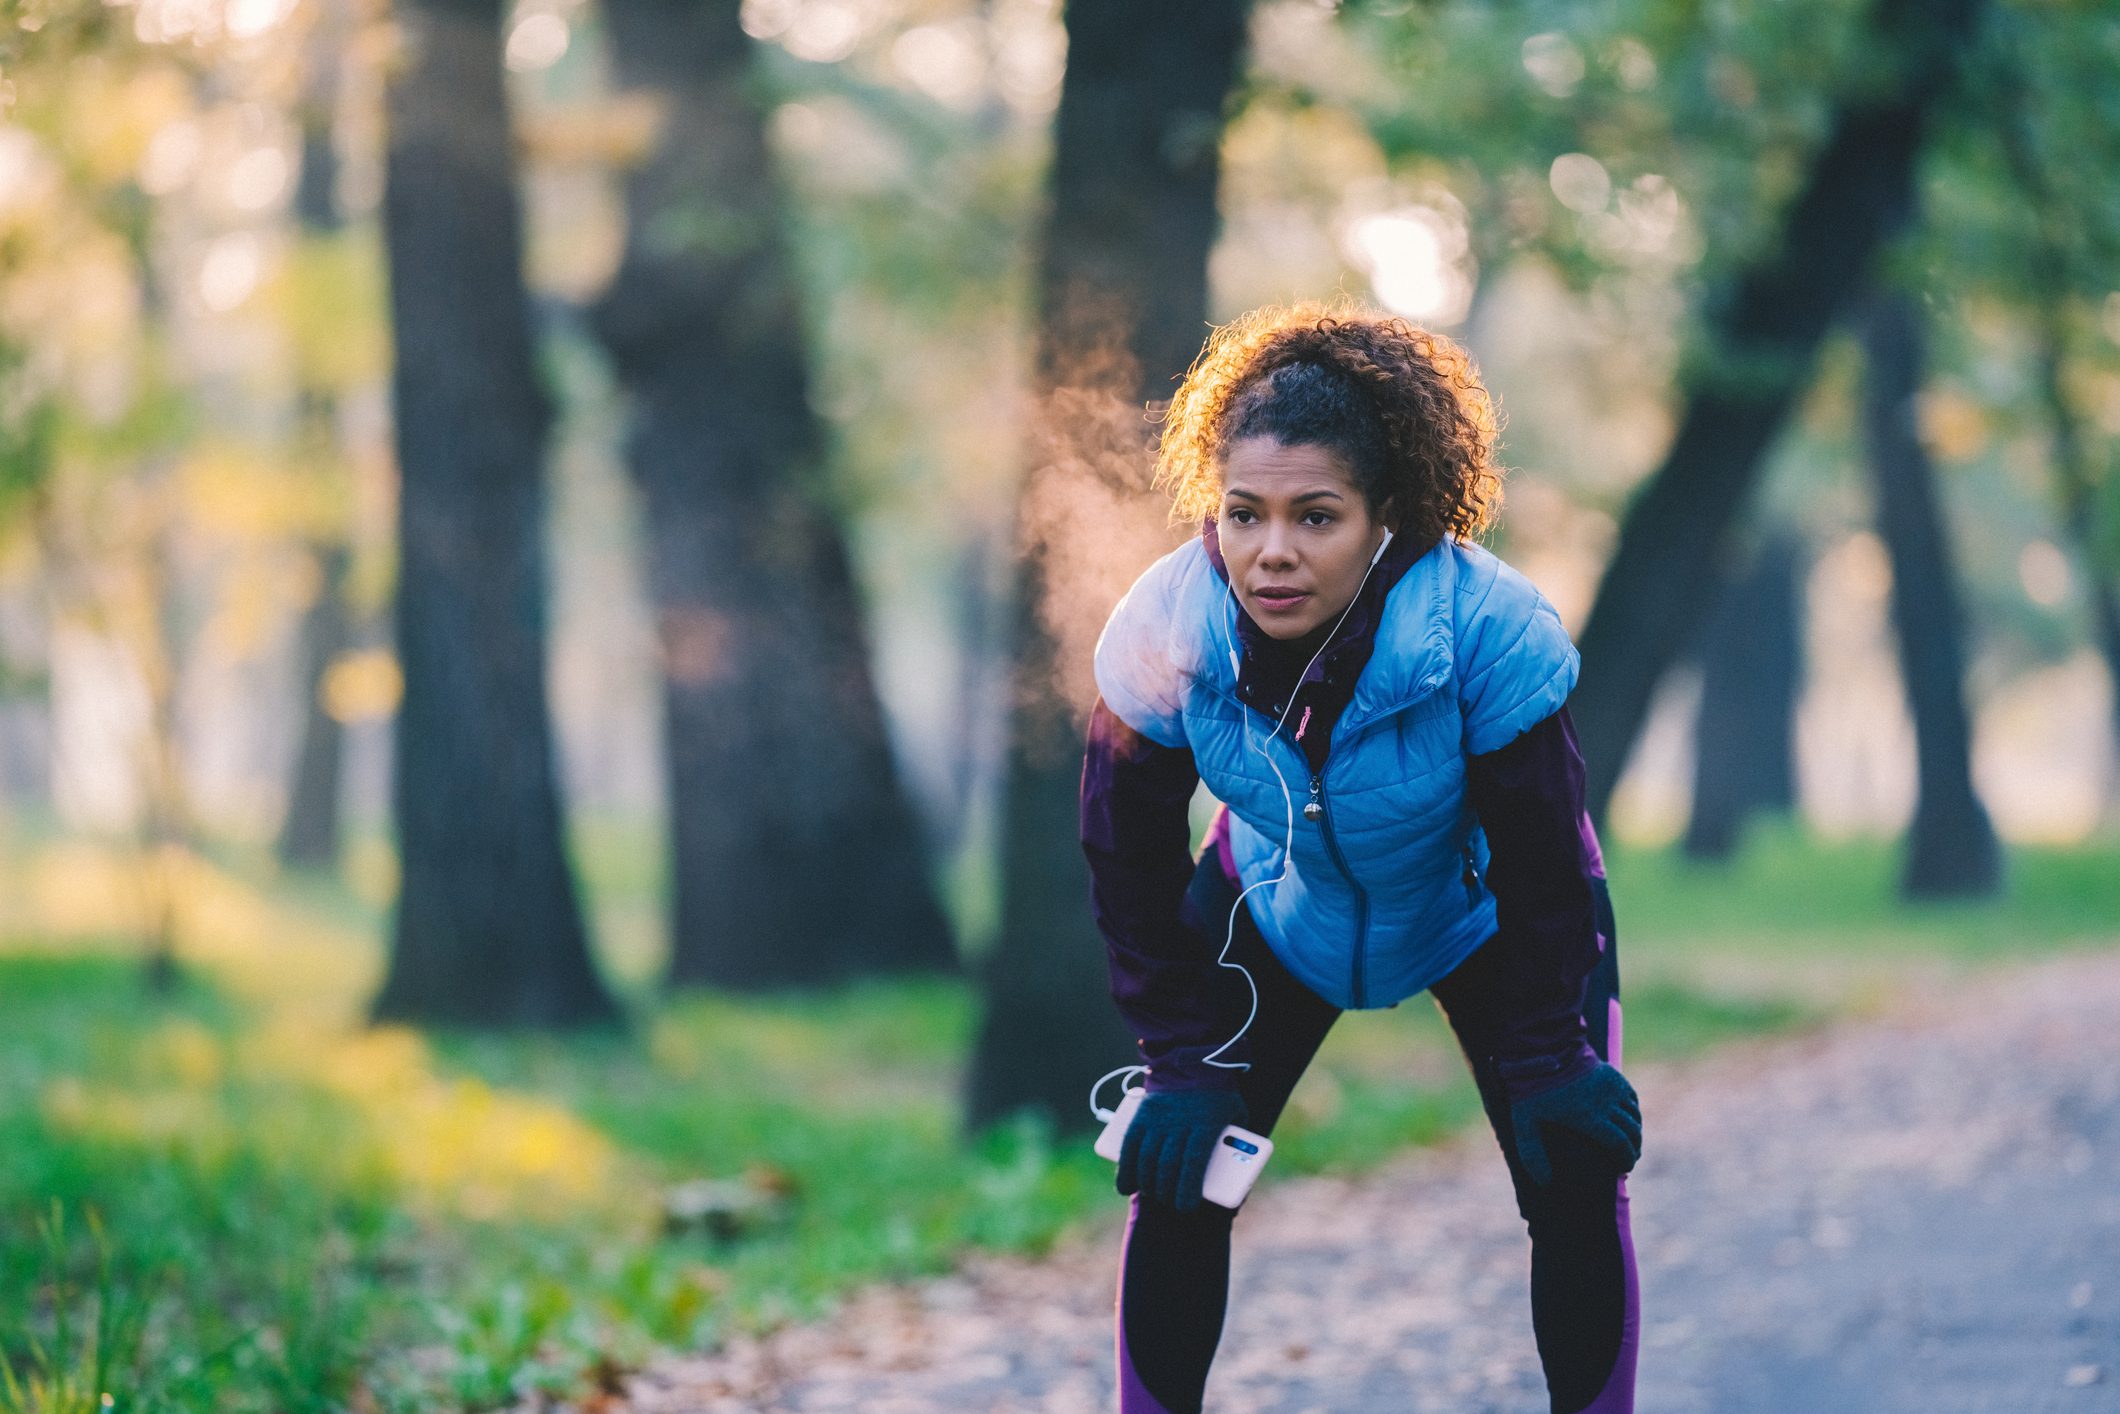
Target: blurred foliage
column 327, row 296
column 1642, row 150
column 161, row 494
column 1589, row 170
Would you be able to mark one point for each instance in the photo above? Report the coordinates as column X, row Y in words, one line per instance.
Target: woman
column 1379, row 704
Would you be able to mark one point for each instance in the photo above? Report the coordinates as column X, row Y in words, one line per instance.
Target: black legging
column 1585, row 1302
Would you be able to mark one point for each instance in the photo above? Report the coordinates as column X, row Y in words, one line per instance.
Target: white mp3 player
column 1239, row 1154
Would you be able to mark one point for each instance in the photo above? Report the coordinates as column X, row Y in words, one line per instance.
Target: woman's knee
column 1166, row 1239
column 1583, row 1189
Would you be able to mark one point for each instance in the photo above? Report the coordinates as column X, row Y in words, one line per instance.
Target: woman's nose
column 1279, row 547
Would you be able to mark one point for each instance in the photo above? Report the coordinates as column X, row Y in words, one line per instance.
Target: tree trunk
column 1122, row 313
column 2079, row 517
column 309, row 831
column 169, row 833
column 798, row 857
column 1751, row 658
column 1763, row 340
column 488, row 930
column 2052, row 282
column 1951, row 849
column 982, row 670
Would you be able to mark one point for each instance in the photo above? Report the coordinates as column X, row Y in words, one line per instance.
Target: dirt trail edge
column 1919, row 1211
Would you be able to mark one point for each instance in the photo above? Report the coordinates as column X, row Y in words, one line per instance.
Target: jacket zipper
column 1361, row 897
column 1472, row 878
column 1332, row 845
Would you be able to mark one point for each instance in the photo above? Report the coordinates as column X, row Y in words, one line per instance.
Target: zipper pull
column 1472, row 879
column 1315, row 809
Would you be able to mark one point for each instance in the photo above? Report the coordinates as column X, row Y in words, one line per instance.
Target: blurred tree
column 1122, row 311
column 1751, row 661
column 2049, row 87
column 916, row 167
column 100, row 481
column 1951, row 846
column 797, row 858
column 488, row 930
column 1646, row 151
column 309, row 830
column 1637, row 149
column 1763, row 330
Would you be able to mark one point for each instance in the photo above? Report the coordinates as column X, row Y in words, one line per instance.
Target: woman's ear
column 1387, row 515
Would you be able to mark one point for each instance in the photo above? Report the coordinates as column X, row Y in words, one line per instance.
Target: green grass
column 1818, row 926
column 1804, row 900
column 317, row 1216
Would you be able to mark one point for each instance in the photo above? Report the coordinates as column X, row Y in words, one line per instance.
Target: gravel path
column 1919, row 1211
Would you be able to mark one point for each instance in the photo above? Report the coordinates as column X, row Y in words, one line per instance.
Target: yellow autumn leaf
column 363, row 685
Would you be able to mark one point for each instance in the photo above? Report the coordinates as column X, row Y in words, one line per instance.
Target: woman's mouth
column 1279, row 601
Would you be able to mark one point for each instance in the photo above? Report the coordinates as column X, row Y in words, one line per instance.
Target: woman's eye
column 1322, row 518
column 1240, row 516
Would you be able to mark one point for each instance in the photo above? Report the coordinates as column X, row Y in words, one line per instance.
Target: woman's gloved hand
column 1169, row 1141
column 1599, row 1104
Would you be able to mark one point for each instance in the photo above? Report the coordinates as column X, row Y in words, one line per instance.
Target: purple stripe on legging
column 1593, row 855
column 1617, row 1397
column 1134, row 1397
column 1218, row 836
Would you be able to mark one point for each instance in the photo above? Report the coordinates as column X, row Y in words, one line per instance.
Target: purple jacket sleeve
column 1544, row 869
column 1135, row 832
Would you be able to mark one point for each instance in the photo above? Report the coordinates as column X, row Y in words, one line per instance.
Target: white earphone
column 1236, row 664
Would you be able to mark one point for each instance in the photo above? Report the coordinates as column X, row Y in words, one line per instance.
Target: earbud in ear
column 1380, row 549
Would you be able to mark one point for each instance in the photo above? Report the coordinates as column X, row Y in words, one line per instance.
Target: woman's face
column 1296, row 533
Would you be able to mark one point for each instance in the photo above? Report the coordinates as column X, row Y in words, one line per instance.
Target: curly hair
column 1403, row 406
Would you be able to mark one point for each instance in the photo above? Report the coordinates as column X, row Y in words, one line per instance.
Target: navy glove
column 1599, row 1105
column 1169, row 1141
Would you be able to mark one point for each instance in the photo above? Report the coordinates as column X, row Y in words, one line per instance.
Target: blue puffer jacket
column 1385, row 892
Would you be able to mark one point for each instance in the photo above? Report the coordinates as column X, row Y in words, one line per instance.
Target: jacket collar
column 1352, row 643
